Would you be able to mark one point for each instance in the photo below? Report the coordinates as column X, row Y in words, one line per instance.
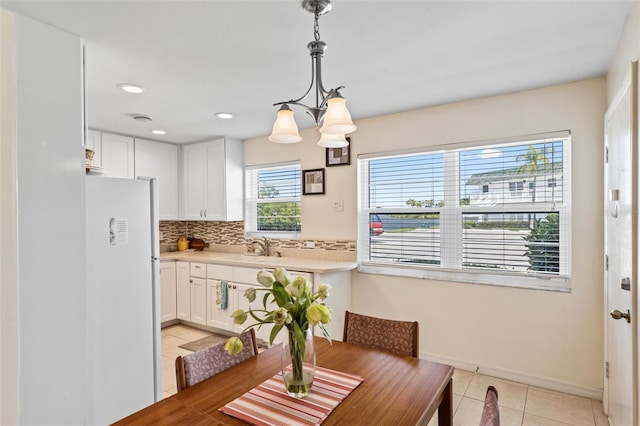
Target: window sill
column 559, row 284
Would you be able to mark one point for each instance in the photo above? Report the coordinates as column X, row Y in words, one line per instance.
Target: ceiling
column 197, row 58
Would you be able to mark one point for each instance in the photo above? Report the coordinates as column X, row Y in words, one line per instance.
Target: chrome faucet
column 264, row 245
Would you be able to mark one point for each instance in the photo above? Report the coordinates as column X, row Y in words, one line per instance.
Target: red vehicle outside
column 375, row 225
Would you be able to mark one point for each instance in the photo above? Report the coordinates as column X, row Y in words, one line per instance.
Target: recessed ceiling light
column 142, row 118
column 158, row 132
column 131, row 88
column 224, row 115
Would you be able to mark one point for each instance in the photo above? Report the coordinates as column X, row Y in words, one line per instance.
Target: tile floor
column 520, row 405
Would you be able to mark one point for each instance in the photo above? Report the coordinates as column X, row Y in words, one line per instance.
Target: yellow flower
column 318, row 313
column 250, row 294
column 239, row 316
column 265, row 278
column 233, row 346
column 282, row 276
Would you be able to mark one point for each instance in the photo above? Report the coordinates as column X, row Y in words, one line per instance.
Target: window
column 460, row 213
column 273, row 200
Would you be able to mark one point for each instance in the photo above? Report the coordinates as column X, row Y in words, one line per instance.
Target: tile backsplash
column 229, row 237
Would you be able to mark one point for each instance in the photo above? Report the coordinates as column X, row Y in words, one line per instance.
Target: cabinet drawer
column 245, row 275
column 198, row 270
column 220, row 272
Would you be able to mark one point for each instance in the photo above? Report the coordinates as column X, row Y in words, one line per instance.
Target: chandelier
column 330, row 112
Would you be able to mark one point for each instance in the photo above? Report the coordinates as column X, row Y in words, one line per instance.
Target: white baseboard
column 518, row 376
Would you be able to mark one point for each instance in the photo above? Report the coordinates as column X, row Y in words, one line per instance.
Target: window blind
column 273, row 199
column 491, row 208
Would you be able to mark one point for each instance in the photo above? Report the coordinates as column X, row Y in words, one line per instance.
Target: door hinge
column 606, row 262
column 606, row 369
column 606, row 155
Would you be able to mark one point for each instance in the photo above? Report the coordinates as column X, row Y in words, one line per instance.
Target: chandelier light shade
column 332, row 140
column 337, row 119
column 330, row 109
column 285, row 129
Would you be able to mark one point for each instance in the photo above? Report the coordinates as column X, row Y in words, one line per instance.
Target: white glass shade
column 328, row 140
column 285, row 129
column 337, row 119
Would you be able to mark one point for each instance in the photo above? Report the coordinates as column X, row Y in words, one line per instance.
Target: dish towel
column 222, row 293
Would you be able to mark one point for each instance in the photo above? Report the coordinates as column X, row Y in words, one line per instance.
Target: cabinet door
column 160, row 160
column 216, row 317
column 199, row 300
column 92, row 142
column 168, row 291
column 194, row 181
column 117, row 155
column 183, row 304
column 215, row 206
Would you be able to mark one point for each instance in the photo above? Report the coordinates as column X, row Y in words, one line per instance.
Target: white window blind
column 478, row 212
column 273, row 200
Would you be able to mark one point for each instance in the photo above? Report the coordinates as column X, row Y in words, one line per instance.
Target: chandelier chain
column 316, row 28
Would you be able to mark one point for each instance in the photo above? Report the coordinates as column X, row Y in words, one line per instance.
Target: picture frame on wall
column 313, row 182
column 339, row 156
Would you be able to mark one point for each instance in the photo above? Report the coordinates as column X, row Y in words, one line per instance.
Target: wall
column 8, row 226
column 627, row 51
column 540, row 337
column 51, row 225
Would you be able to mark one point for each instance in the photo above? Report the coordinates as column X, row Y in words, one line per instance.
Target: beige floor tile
column 187, row 333
column 510, row 394
column 531, row 420
column 461, row 380
column 598, row 413
column 170, row 341
column 468, row 413
column 173, row 352
column 166, row 395
column 574, row 410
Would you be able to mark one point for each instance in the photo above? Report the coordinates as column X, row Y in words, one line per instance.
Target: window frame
column 252, row 201
column 450, row 268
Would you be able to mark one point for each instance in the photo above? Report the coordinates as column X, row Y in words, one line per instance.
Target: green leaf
column 325, row 333
column 280, row 294
column 274, row 332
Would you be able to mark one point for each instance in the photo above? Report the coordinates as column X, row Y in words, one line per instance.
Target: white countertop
column 234, row 259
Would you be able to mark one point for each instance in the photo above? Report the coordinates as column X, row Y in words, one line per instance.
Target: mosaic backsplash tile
column 229, row 236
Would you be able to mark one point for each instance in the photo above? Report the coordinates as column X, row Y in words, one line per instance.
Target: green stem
column 296, row 350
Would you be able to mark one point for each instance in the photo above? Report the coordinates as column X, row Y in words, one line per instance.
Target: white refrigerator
column 123, row 319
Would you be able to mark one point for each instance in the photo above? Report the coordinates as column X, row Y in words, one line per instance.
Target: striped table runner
column 269, row 404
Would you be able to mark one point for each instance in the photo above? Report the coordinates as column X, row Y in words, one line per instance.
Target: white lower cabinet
column 199, row 300
column 183, row 284
column 168, row 291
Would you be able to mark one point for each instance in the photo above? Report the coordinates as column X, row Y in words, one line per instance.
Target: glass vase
column 298, row 363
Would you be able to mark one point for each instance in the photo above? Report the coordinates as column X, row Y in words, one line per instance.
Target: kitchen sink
column 247, row 258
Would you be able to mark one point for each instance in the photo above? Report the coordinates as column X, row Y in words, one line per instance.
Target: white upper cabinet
column 160, row 160
column 93, row 143
column 212, row 180
column 117, row 155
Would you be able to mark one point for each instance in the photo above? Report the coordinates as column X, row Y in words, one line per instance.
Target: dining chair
column 200, row 365
column 490, row 411
column 399, row 337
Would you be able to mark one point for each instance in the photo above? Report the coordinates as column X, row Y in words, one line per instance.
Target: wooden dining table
column 397, row 390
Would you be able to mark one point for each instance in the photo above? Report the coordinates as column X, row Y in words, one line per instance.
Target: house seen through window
column 462, row 212
column 273, row 200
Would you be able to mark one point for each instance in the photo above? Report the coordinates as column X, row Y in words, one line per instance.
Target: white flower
column 298, row 287
column 265, row 278
column 282, row 276
column 323, row 291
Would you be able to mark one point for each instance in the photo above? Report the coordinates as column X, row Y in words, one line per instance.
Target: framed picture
column 339, row 156
column 313, row 182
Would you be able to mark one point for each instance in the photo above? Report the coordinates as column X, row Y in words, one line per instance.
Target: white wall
column 51, row 222
column 8, row 226
column 627, row 51
column 550, row 338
